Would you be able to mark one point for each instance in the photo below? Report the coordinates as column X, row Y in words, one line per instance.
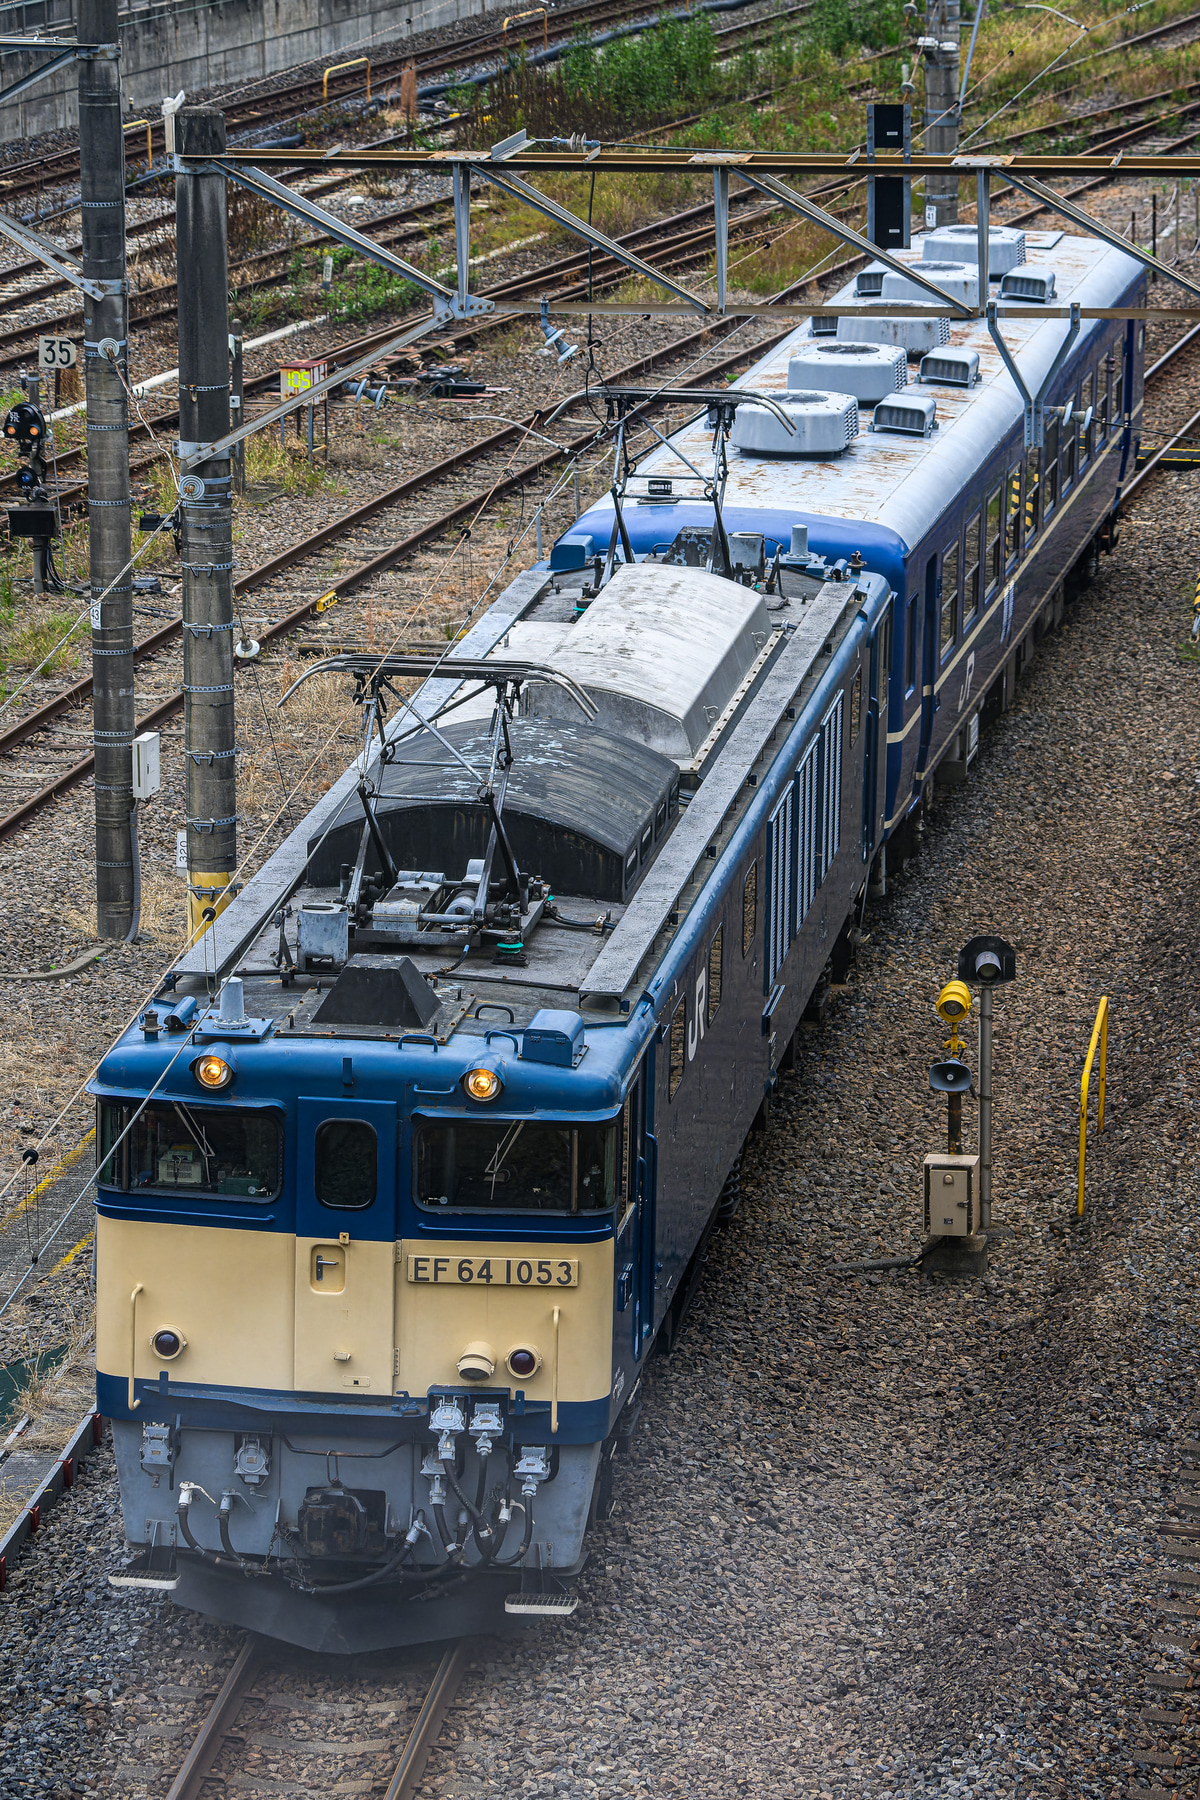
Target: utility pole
column 206, row 519
column 941, row 47
column 106, row 362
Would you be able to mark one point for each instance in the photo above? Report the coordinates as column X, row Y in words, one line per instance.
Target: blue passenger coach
column 413, row 1160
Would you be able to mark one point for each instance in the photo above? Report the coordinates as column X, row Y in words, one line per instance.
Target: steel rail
column 425, row 1732
column 190, row 1780
column 79, row 693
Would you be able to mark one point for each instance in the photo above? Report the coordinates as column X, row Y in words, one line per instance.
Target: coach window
column 1104, row 398
column 749, row 908
column 910, row 648
column 678, row 1052
column 971, row 571
column 346, row 1164
column 1087, row 434
column 1050, row 465
column 994, row 543
column 949, row 596
column 1070, row 439
column 1118, row 396
column 1012, row 518
column 1033, row 492
column 716, row 959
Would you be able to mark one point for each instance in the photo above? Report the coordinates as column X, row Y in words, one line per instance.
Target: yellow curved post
column 1099, row 1038
column 336, row 69
column 531, row 14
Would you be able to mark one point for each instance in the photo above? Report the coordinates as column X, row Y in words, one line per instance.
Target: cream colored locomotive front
column 270, row 1313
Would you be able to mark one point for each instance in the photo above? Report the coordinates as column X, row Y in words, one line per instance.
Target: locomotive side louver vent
column 951, row 368
column 824, row 425
column 1028, row 284
column 915, row 416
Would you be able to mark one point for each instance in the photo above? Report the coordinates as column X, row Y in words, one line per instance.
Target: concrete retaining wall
column 192, row 44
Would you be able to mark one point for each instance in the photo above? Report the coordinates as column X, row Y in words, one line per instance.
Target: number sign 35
column 56, row 353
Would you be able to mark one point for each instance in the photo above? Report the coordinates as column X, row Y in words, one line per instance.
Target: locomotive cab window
column 234, row 1151
column 346, row 1164
column 515, row 1165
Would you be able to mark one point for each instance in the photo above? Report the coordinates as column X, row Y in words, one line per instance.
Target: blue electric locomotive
column 415, row 1156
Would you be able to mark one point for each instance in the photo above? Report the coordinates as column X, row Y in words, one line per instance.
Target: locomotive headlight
column 477, row 1362
column 212, row 1071
column 523, row 1362
column 482, row 1084
column 167, row 1344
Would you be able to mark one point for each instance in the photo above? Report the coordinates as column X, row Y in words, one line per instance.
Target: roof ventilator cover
column 872, row 326
column 1028, row 284
column 868, row 371
column 825, row 425
column 913, row 414
column 1006, row 247
column 959, row 280
column 951, row 368
column 823, row 327
column 869, row 283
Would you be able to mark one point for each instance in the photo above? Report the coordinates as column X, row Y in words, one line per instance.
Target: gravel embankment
column 887, row 1535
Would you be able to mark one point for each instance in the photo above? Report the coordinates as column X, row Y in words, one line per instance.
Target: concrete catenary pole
column 206, row 515
column 941, row 47
column 106, row 359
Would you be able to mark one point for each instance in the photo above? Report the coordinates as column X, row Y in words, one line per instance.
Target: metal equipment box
column 951, row 1195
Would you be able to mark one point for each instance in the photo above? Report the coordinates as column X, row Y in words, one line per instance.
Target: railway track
column 64, row 710
column 688, row 240
column 295, row 100
column 324, row 1747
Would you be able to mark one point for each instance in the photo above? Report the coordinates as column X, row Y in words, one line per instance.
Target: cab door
column 345, row 1246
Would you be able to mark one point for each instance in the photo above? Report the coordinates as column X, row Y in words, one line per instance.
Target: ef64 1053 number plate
column 494, row 1271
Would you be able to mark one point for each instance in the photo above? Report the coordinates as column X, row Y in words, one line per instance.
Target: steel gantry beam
column 781, row 163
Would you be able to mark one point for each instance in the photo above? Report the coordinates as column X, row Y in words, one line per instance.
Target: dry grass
column 163, row 906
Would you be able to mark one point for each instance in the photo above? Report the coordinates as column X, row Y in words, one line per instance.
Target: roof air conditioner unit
column 959, row 280
column 959, row 243
column 871, row 326
column 868, row 371
column 913, row 414
column 1028, row 284
column 951, row 368
column 869, row 282
column 824, row 425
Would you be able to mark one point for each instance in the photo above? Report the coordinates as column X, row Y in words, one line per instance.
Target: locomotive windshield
column 233, row 1151
column 516, row 1165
